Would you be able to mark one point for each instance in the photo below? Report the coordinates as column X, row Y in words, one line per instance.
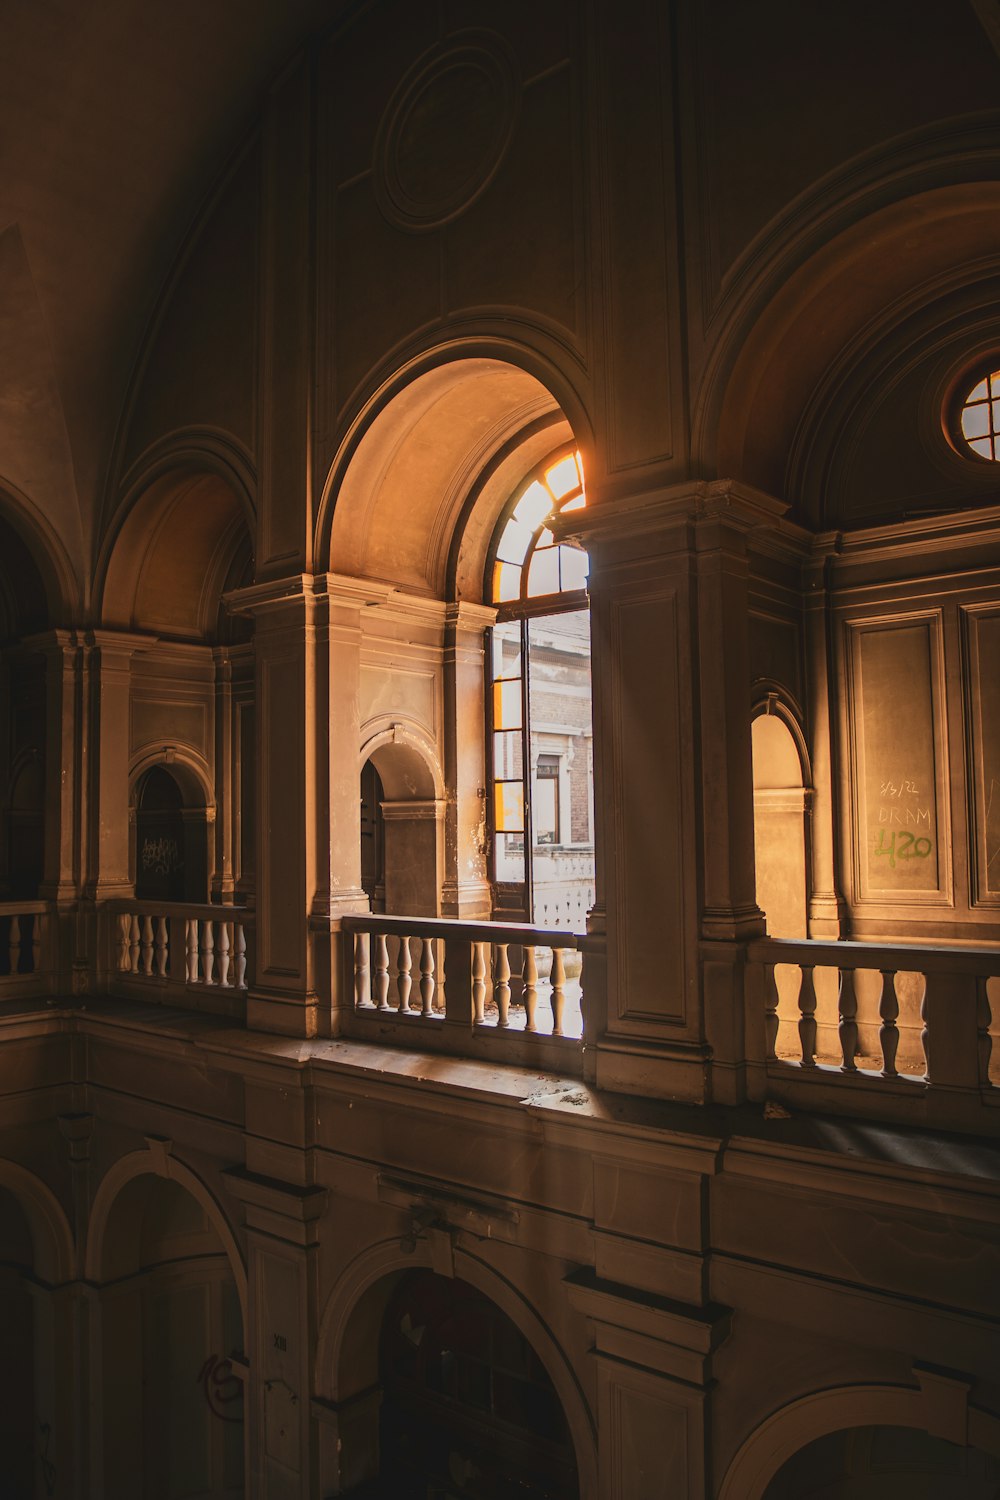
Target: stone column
column 282, row 1252
column 290, row 981
column 466, row 888
column 827, row 912
column 674, row 785
column 61, row 652
column 110, row 672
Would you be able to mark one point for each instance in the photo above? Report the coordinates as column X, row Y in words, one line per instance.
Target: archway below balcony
column 400, row 771
column 172, row 815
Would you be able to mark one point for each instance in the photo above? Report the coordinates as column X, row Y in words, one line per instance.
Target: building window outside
column 540, row 716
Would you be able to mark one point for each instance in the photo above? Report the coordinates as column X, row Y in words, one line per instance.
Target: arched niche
column 36, row 1261
column 432, row 449
column 411, row 818
column 183, row 541
column 808, row 311
column 171, row 1312
column 781, row 806
column 171, row 818
column 885, row 1463
column 349, row 1351
column 936, row 1405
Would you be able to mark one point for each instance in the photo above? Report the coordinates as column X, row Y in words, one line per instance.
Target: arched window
column 539, row 705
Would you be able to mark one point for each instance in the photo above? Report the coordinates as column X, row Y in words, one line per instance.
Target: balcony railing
column 890, row 1032
column 507, row 991
column 198, row 955
column 27, row 936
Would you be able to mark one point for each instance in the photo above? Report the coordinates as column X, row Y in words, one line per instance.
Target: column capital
column 670, row 510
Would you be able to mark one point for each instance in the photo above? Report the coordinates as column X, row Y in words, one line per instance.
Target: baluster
column 925, row 1030
column 404, row 983
column 478, row 981
column 529, row 976
column 208, row 952
column 124, row 927
column 440, row 981
column 36, row 941
column 427, row 976
column 381, row 972
column 160, row 945
column 191, row 938
column 362, row 977
column 807, row 1015
column 888, row 1034
column 558, row 981
column 770, row 1013
column 501, row 983
column 146, row 954
column 133, row 945
column 240, row 946
column 848, row 1025
column 222, row 952
column 984, row 1018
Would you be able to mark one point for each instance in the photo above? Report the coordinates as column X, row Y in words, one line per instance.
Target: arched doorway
column 780, row 809
column 468, row 1410
column 18, row 1421
column 372, row 837
column 171, row 1321
column 885, row 1463
column 171, row 841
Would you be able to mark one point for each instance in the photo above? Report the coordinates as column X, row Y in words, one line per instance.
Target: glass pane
column 983, row 446
column 508, row 755
column 509, row 858
column 563, row 476
column 996, row 416
column 574, row 565
column 534, row 506
column 578, row 504
column 994, row 385
column 979, row 394
column 543, row 573
column 507, row 649
column 506, row 582
column 507, row 704
column 975, row 421
column 508, row 807
column 515, row 541
column 562, row 784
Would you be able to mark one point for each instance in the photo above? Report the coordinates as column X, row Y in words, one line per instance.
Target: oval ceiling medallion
column 445, row 132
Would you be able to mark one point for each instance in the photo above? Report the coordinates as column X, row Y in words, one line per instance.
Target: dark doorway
column 468, row 1409
column 372, row 837
column 171, row 861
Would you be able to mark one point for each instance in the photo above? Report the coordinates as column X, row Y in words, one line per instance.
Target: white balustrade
column 491, row 978
column 181, row 946
column 845, row 1024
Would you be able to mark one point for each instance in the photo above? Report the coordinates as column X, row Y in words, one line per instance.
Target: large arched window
column 540, row 718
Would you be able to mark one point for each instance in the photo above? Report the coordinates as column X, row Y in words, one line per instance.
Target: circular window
column 979, row 417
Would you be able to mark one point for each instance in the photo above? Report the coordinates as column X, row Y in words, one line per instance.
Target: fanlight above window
column 529, row 563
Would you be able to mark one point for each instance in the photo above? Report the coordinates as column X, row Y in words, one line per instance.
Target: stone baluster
column 208, row 952
column 984, row 1042
column 222, row 955
column 427, row 976
column 133, row 945
column 558, row 981
column 362, row 974
column 847, row 1027
column 36, row 941
column 124, row 928
column 888, row 1033
column 807, row 1017
column 404, row 980
column 160, row 946
column 381, row 972
column 146, row 946
column 529, row 976
column 770, row 1012
column 478, row 981
column 501, row 983
column 925, row 1030
column 240, row 948
column 192, row 950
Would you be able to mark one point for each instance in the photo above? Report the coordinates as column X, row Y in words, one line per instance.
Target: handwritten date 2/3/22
column 901, row 846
